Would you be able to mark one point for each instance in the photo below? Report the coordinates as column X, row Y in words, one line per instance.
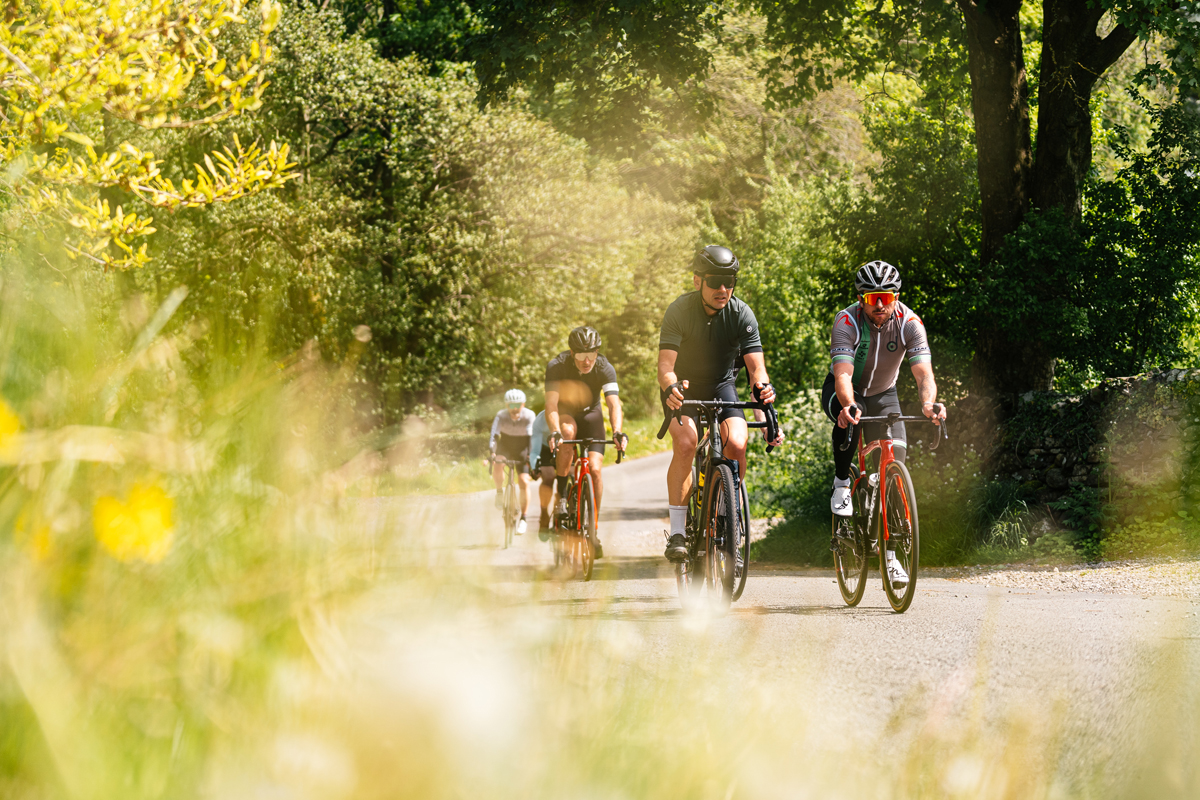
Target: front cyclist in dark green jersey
column 869, row 342
column 706, row 337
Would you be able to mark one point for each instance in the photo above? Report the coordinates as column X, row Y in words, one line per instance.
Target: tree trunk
column 1000, row 103
column 1073, row 59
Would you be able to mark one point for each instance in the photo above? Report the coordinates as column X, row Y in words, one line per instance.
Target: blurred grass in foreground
column 190, row 606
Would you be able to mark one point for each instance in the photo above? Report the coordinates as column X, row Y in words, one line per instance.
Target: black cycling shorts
column 726, row 390
column 588, row 425
column 515, row 448
column 545, row 458
column 876, row 405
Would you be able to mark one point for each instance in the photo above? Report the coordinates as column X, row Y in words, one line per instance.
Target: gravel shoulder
column 1158, row 577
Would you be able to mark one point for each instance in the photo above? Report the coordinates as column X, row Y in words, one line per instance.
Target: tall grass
column 193, row 605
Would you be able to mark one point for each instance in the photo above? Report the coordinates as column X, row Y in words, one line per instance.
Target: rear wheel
column 720, row 530
column 587, row 528
column 899, row 522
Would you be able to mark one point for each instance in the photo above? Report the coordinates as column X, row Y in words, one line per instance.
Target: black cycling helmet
column 877, row 276
column 584, row 339
column 715, row 259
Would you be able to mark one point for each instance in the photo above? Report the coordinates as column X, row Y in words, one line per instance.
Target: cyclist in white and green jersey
column 869, row 342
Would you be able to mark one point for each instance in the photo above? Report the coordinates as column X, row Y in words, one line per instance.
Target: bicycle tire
column 743, row 542
column 850, row 558
column 689, row 574
column 510, row 513
column 903, row 532
column 587, row 529
column 722, row 517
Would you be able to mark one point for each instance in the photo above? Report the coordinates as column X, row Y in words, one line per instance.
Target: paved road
column 1109, row 673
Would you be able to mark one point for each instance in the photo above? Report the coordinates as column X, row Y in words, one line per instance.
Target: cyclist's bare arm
column 927, row 390
column 552, row 412
column 843, row 387
column 667, row 377
column 616, row 415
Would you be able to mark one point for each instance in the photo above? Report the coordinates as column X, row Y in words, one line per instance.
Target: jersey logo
column 749, row 328
column 891, row 346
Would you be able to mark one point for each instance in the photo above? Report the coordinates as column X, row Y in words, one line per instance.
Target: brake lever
column 772, row 426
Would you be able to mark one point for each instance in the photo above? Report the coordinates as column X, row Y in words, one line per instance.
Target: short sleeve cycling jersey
column 580, row 392
column 710, row 348
column 877, row 353
column 505, row 424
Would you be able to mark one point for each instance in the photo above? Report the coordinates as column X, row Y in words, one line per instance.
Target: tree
column 76, row 71
column 609, row 48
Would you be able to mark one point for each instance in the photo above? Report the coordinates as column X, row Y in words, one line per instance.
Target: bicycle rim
column 510, row 514
column 722, row 519
column 850, row 560
column 587, row 529
column 903, row 535
column 742, row 564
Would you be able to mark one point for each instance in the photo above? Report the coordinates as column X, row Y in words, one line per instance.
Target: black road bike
column 884, row 518
column 718, row 512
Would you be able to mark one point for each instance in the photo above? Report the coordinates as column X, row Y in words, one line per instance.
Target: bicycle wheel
column 902, row 535
column 689, row 574
column 587, row 528
column 722, row 523
column 850, row 559
column 742, row 542
column 510, row 513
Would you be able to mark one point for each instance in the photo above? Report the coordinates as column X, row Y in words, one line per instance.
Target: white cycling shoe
column 896, row 574
column 840, row 502
column 521, row 526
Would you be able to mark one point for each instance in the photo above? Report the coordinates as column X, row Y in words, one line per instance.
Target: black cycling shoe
column 676, row 548
column 599, row 549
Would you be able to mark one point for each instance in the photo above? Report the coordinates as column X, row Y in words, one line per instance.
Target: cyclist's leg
column 566, row 455
column 591, row 426
column 498, row 475
column 887, row 403
column 524, row 480
column 734, row 433
column 683, row 449
column 842, row 459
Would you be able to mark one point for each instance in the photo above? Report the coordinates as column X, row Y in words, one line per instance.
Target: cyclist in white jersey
column 869, row 342
column 511, row 431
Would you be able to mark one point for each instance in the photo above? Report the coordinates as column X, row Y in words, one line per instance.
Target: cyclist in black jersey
column 575, row 381
column 707, row 335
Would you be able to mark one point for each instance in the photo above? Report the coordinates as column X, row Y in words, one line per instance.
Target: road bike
column 574, row 541
column 883, row 511
column 718, row 511
column 510, row 510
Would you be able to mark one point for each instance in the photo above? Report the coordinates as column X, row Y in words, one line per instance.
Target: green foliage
column 1083, row 512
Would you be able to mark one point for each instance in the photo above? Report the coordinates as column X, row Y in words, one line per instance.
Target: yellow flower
column 34, row 538
column 139, row 528
column 10, row 423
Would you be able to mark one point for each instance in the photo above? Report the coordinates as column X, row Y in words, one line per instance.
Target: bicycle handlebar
column 892, row 419
column 771, row 423
column 620, row 453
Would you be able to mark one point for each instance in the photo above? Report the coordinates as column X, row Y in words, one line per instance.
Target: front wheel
column 742, row 545
column 898, row 525
column 850, row 560
column 720, row 531
column 511, row 513
column 587, row 528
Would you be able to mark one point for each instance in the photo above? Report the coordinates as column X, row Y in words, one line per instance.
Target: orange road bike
column 574, row 539
column 718, row 512
column 885, row 510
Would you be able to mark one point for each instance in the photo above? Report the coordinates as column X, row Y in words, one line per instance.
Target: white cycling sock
column 841, row 483
column 678, row 519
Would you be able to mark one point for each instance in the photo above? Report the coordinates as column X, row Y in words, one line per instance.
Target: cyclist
column 511, row 431
column 576, row 379
column 706, row 336
column 868, row 343
column 541, row 461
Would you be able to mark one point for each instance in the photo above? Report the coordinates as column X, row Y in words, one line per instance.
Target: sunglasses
column 717, row 281
column 513, row 406
column 879, row 298
column 584, row 358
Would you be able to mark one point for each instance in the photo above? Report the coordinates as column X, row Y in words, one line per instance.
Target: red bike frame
column 886, row 456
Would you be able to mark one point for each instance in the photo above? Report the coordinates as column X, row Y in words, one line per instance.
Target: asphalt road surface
column 1114, row 671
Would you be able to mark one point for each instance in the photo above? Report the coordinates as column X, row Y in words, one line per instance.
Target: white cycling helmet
column 877, row 276
column 514, row 396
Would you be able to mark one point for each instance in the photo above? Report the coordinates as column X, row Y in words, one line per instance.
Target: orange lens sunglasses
column 879, row 298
